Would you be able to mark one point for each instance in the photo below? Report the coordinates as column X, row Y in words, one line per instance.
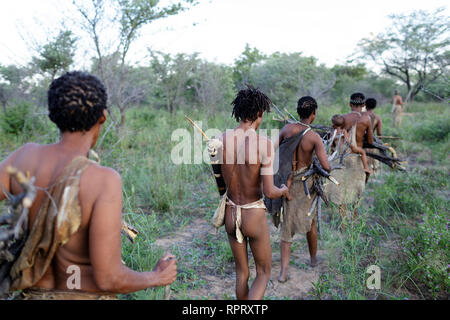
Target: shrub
column 433, row 130
column 16, row 119
column 427, row 253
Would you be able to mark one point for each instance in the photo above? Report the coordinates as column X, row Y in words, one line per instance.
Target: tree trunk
column 122, row 118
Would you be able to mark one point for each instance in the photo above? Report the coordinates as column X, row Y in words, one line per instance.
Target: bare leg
column 285, row 249
column 312, row 243
column 241, row 262
column 262, row 253
column 255, row 228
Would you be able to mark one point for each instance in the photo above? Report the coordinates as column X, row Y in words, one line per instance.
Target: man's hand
column 166, row 269
column 285, row 192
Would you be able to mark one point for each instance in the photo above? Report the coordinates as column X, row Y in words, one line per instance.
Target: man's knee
column 242, row 274
column 264, row 271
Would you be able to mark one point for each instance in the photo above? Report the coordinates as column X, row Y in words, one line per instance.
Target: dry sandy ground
column 302, row 276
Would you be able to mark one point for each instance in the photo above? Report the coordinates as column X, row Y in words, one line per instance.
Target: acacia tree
column 127, row 19
column 414, row 49
column 57, row 55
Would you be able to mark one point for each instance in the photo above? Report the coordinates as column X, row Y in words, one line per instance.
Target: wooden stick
column 388, row 137
column 197, row 127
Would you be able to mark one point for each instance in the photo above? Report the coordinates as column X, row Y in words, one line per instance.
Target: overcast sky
column 326, row 29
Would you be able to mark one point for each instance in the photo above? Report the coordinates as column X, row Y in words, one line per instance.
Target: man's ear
column 102, row 119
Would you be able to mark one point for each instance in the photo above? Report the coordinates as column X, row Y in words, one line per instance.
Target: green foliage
column 57, row 55
column 427, row 254
column 411, row 195
column 17, row 120
column 243, row 65
column 433, row 130
column 287, row 77
column 414, row 49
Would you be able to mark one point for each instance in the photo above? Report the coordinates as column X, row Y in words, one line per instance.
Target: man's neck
column 247, row 125
column 79, row 142
column 356, row 109
column 306, row 121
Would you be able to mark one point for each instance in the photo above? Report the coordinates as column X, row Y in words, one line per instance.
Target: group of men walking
column 76, row 216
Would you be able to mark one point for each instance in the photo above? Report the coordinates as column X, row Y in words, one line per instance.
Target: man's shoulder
column 291, row 129
column 99, row 175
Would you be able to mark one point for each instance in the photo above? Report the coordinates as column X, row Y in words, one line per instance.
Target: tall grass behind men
column 352, row 177
column 248, row 174
column 76, row 222
column 299, row 139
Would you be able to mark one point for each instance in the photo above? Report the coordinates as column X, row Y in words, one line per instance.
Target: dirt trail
column 302, row 276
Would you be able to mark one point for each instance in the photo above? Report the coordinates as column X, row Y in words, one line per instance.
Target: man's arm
column 105, row 245
column 280, row 138
column 267, row 157
column 5, row 180
column 379, row 126
column 369, row 131
column 321, row 153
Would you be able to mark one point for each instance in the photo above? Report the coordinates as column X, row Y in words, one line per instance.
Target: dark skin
column 244, row 187
column 303, row 155
column 364, row 128
column 96, row 247
column 364, row 131
column 377, row 122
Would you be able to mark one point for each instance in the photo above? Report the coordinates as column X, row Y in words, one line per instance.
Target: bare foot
column 283, row 276
column 315, row 262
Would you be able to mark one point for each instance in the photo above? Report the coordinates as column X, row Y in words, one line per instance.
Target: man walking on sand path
column 248, row 174
column 301, row 142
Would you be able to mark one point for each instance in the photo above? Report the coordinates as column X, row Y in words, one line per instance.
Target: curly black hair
column 76, row 101
column 306, row 106
column 357, row 99
column 249, row 104
column 371, row 104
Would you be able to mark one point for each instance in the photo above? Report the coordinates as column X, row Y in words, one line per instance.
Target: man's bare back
column 45, row 163
column 96, row 246
column 247, row 169
column 363, row 127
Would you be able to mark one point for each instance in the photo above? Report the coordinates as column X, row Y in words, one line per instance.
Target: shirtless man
column 303, row 155
column 377, row 122
column 338, row 122
column 77, row 105
column 377, row 125
column 247, row 164
column 362, row 120
column 397, row 109
column 359, row 126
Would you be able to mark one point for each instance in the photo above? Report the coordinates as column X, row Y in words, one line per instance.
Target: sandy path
column 302, row 276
